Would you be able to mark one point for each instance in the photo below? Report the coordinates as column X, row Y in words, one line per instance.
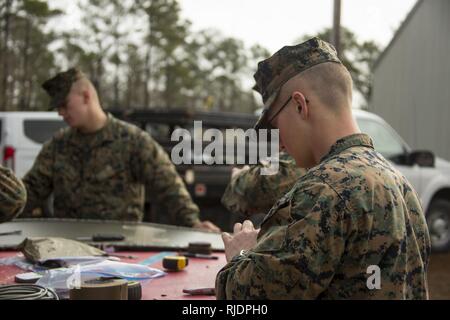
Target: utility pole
column 336, row 34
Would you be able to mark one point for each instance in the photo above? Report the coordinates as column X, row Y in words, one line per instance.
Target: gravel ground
column 439, row 276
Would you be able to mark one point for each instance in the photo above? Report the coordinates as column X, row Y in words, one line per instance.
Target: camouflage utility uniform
column 102, row 175
column 348, row 219
column 352, row 211
column 13, row 195
column 249, row 192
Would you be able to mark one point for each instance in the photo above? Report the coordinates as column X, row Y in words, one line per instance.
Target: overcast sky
column 274, row 24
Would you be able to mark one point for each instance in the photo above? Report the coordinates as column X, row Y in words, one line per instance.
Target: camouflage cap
column 286, row 63
column 59, row 86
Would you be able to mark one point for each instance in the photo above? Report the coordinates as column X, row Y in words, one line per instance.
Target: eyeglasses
column 279, row 110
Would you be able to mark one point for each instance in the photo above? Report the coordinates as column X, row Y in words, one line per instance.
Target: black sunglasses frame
column 278, row 112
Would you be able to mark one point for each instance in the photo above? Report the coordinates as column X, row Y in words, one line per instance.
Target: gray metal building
column 412, row 78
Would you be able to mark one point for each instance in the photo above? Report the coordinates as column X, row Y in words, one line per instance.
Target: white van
column 22, row 135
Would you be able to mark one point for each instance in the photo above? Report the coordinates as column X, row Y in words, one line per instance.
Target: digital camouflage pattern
column 59, row 86
column 13, row 195
column 351, row 211
column 250, row 192
column 289, row 61
column 102, row 175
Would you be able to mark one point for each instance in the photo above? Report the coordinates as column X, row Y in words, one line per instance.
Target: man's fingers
column 208, row 225
column 237, row 227
column 236, row 171
column 248, row 226
column 226, row 237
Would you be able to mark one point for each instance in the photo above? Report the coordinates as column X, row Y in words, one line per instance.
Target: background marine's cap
column 59, row 86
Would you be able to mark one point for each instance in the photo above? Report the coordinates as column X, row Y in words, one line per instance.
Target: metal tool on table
column 123, row 256
column 103, row 238
column 199, row 256
column 200, row 291
column 11, row 233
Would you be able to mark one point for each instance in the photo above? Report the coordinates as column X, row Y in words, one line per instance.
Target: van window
column 40, row 130
column 384, row 141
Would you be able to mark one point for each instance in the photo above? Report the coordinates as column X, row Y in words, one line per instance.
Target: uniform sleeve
column 292, row 260
column 233, row 199
column 250, row 192
column 153, row 167
column 13, row 195
column 39, row 180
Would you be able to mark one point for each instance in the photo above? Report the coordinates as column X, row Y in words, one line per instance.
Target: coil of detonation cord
column 27, row 292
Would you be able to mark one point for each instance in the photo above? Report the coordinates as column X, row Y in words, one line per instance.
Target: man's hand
column 235, row 171
column 243, row 238
column 206, row 225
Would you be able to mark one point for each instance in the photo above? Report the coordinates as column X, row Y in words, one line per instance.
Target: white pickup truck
column 23, row 133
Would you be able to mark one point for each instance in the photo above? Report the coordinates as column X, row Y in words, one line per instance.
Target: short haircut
column 84, row 84
column 331, row 82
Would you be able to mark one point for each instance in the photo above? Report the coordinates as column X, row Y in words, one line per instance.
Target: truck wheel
column 438, row 219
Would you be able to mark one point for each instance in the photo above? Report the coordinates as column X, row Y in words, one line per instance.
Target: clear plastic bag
column 61, row 262
column 70, row 278
column 22, row 263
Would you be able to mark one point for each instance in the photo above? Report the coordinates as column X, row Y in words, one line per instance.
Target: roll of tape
column 199, row 247
column 134, row 290
column 105, row 289
column 175, row 263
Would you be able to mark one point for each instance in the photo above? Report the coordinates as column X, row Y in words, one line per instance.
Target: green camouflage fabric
column 352, row 211
column 13, row 195
column 39, row 249
column 102, row 176
column 289, row 61
column 59, row 86
column 250, row 192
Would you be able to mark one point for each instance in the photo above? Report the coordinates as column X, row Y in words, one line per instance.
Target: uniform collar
column 105, row 134
column 354, row 140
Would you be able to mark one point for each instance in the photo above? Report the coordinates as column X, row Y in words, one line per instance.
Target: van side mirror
column 421, row 158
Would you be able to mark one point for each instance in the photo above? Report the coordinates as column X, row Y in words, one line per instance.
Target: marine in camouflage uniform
column 13, row 195
column 351, row 211
column 249, row 192
column 102, row 175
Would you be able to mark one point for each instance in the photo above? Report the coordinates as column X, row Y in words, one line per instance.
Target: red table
column 199, row 273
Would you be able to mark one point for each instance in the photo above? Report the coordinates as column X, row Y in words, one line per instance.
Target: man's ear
column 301, row 104
column 86, row 96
